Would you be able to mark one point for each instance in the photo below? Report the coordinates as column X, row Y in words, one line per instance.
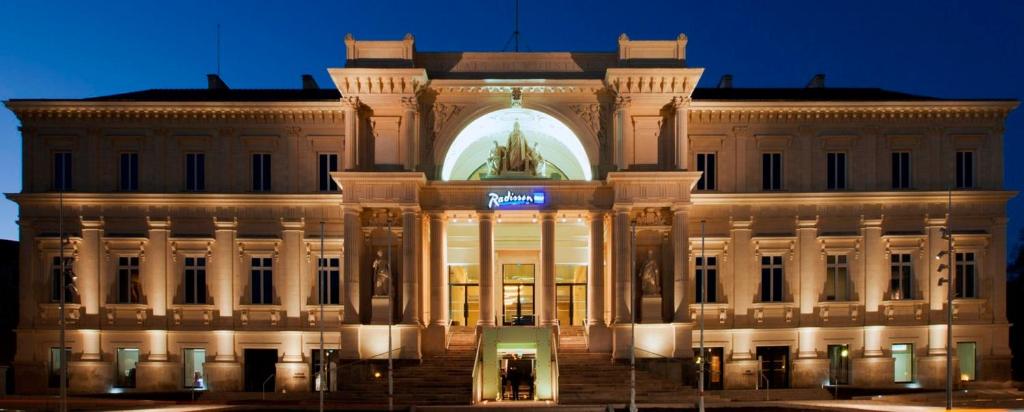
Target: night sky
column 936, row 48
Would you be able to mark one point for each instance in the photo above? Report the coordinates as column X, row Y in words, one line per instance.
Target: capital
column 681, row 102
column 410, row 104
column 350, row 103
column 622, row 102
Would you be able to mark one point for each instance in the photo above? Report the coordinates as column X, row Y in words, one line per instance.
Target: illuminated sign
column 496, row 201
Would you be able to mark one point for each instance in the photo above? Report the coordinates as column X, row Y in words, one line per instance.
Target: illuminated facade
column 517, row 192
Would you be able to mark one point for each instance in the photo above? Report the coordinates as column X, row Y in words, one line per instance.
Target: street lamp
column 947, row 235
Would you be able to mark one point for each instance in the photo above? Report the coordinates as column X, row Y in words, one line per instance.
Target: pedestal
column 650, row 309
column 380, row 310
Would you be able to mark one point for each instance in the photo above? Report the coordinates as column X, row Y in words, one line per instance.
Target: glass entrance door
column 571, row 303
column 774, row 362
column 517, row 294
column 464, row 294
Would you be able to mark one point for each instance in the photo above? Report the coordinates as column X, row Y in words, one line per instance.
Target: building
column 530, row 195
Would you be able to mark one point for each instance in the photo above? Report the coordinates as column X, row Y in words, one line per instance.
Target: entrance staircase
column 588, row 378
column 444, row 379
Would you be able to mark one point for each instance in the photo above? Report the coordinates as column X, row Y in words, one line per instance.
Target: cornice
column 700, row 199
column 505, row 86
column 653, row 81
column 704, row 111
column 177, row 199
column 329, row 112
column 368, row 82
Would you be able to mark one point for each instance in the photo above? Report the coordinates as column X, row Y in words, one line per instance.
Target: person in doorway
column 514, row 378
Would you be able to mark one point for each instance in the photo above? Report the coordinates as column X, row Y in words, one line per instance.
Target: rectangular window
column 261, row 172
column 330, row 278
column 320, row 379
column 328, row 164
column 62, row 171
column 964, row 170
column 55, row 361
column 903, row 362
column 194, row 376
column 195, row 172
column 711, row 274
column 967, row 352
column 127, row 358
column 839, row 364
column 58, row 281
column 966, row 275
column 129, row 172
column 901, row 269
column 901, row 170
column 771, row 279
column 129, row 286
column 262, row 281
column 771, row 171
column 706, row 162
column 837, row 278
column 195, row 280
column 836, row 170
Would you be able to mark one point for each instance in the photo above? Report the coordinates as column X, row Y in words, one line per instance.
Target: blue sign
column 497, row 201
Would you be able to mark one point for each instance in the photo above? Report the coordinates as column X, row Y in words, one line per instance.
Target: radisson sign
column 497, row 200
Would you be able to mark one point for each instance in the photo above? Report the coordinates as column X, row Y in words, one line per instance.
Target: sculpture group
column 515, row 157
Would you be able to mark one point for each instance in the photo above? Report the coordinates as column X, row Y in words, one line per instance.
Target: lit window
column 129, row 172
column 195, row 172
column 839, row 364
column 62, row 171
column 328, row 164
column 836, row 170
column 771, row 171
column 967, row 352
column 837, row 278
column 771, row 279
column 55, row 361
column 964, row 170
column 903, row 362
column 901, row 170
column 127, row 358
column 262, row 281
column 966, row 273
column 321, row 379
column 330, row 280
column 901, row 276
column 195, row 280
column 194, row 375
column 261, row 172
column 129, row 285
column 706, row 162
column 711, row 274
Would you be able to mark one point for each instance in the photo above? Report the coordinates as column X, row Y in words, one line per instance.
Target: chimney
column 213, row 82
column 817, row 82
column 309, row 83
column 725, row 82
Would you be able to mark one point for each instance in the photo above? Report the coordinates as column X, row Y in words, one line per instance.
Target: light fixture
column 844, row 353
column 945, row 232
column 942, row 266
column 534, row 220
column 579, row 218
column 941, row 254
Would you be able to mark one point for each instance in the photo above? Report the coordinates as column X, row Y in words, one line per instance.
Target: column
column 156, row 265
column 292, row 232
column 810, row 263
column 546, row 297
column 353, row 234
column 410, row 265
column 87, row 267
column 486, row 229
column 681, row 263
column 350, row 112
column 408, row 132
column 438, row 270
column 743, row 272
column 621, row 238
column 595, row 274
column 222, row 262
column 681, row 106
column 875, row 273
column 620, row 130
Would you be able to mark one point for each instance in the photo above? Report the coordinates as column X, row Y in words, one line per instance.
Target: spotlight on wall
column 941, row 254
column 945, row 232
column 942, row 267
column 534, row 220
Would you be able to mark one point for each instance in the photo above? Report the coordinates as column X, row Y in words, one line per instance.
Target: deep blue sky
column 80, row 49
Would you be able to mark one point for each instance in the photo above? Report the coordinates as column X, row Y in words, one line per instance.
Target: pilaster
column 223, row 264
column 410, row 265
column 487, row 304
column 292, row 233
column 353, row 245
column 546, row 297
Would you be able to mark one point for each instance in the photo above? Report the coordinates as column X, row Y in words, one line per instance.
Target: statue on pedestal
column 516, row 157
column 650, row 276
column 381, row 275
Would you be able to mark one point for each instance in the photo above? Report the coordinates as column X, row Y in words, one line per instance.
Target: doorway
column 260, row 367
column 774, row 366
column 518, row 373
column 571, row 303
column 518, row 297
column 713, row 363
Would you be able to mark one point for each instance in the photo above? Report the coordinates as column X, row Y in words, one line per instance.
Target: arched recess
column 559, row 143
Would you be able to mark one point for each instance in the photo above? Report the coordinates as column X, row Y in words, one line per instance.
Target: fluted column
column 546, row 297
column 595, row 274
column 620, row 131
column 438, row 269
column 409, row 108
column 350, row 112
column 486, row 229
column 410, row 265
column 621, row 239
column 680, row 263
column 353, row 237
column 681, row 106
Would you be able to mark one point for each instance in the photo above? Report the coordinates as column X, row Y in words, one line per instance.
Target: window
column 129, row 286
column 195, row 172
column 901, row 170
column 711, row 275
column 62, row 171
column 901, row 276
column 194, row 376
column 195, row 280
column 706, row 162
column 262, row 281
column 837, row 278
column 966, row 272
column 771, row 278
column 839, row 364
column 903, row 362
column 771, row 171
column 836, row 170
column 964, row 170
column 323, row 382
column 129, row 172
column 966, row 352
column 55, row 361
column 57, row 281
column 328, row 164
column 330, row 287
column 127, row 358
column 261, row 172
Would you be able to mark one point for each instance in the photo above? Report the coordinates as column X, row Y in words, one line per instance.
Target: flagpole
column 323, row 355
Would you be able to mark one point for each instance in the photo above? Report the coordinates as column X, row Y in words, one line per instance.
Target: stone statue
column 515, row 157
column 650, row 276
column 495, row 162
column 381, row 275
column 517, row 150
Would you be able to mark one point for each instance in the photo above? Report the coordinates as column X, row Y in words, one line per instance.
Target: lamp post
column 63, row 306
column 703, row 297
column 323, row 355
column 949, row 280
column 391, row 319
column 632, row 324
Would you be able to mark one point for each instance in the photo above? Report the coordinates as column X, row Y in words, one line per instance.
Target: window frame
column 62, row 171
column 195, row 174
column 57, row 279
column 966, row 174
column 331, row 275
column 709, row 178
column 961, row 263
column 53, row 379
column 836, row 175
column 832, row 268
column 194, row 271
column 711, row 277
column 124, row 278
column 902, row 174
column 776, row 267
column 261, row 277
column 773, row 181
column 131, row 381
column 844, row 364
column 325, row 183
column 913, row 358
column 260, row 167
column 905, row 280
column 128, row 180
column 187, row 378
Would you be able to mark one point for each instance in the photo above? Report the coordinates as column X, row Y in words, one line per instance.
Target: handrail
column 476, row 375
column 374, row 357
column 448, row 334
column 554, row 369
column 263, row 388
column 767, row 385
column 652, row 353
